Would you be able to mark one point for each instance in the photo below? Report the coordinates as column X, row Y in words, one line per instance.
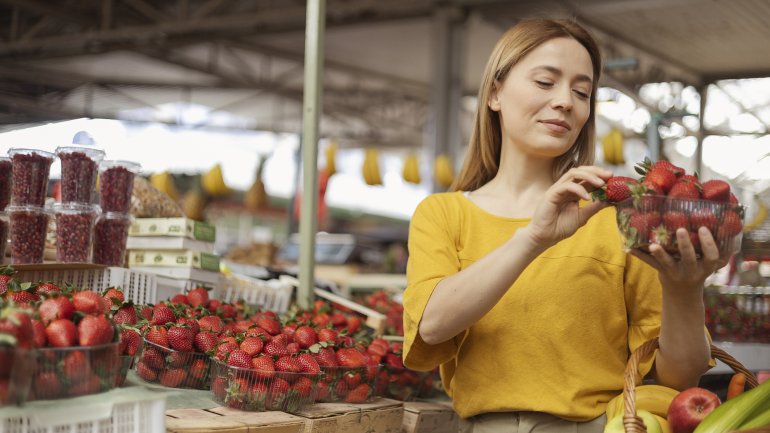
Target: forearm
column 460, row 300
column 684, row 349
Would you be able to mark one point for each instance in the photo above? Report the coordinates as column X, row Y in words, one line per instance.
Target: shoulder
column 441, row 202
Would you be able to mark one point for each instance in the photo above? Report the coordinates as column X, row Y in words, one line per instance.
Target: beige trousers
column 528, row 422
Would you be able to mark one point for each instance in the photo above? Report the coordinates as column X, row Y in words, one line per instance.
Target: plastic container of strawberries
column 74, row 371
column 172, row 368
column 256, row 390
column 348, row 384
column 406, row 385
column 16, row 368
column 650, row 219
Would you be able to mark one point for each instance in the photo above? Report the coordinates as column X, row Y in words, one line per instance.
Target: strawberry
column 90, row 385
column 113, row 296
column 95, row 330
column 358, row 394
column 394, row 360
column 173, row 377
column 703, row 217
column 190, row 323
column 61, row 333
column 158, row 335
column 256, row 331
column 180, row 298
column 181, row 338
column 674, row 220
column 198, row 297
column 130, row 340
column 270, row 325
column 662, row 236
column 731, row 225
column 322, row 391
column 305, row 336
column 38, row 334
column 277, row 393
column 75, row 366
column 303, row 386
column 293, row 348
column 341, row 389
column 176, row 359
column 239, row 358
column 47, row 289
column 227, row 311
column 211, row 324
column 662, row 178
column 223, row 350
column 145, row 372
column 350, row 357
column 146, row 312
column 643, row 223
column 198, row 369
column 288, row 364
column 308, row 363
column 691, row 178
column 58, row 307
column 48, row 386
column 88, row 302
column 16, row 328
column 162, row 315
column 275, row 348
column 716, row 190
column 219, row 388
column 327, row 334
column 126, row 314
column 326, row 357
column 376, row 350
column 617, row 189
column 22, row 297
column 153, row 358
column 354, row 323
column 6, row 276
column 205, row 341
column 663, row 164
column 264, row 365
column 684, row 190
column 252, row 345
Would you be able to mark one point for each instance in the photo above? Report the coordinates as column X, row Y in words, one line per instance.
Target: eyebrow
column 557, row 71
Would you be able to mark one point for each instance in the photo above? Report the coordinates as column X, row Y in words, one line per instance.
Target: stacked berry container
column 116, row 183
column 5, row 197
column 76, row 215
column 28, row 218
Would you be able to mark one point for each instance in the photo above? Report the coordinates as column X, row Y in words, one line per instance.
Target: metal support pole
column 703, row 92
column 314, row 42
column 653, row 136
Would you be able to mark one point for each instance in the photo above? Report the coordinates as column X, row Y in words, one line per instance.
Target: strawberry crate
column 139, row 287
column 62, row 372
column 168, row 287
column 132, row 409
column 405, row 384
column 16, row 368
column 654, row 219
column 257, row 390
column 172, row 368
column 347, row 384
column 274, row 294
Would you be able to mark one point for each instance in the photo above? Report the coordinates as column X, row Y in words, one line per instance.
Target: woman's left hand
column 689, row 272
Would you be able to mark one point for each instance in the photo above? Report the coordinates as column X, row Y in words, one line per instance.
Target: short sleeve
column 643, row 294
column 432, row 257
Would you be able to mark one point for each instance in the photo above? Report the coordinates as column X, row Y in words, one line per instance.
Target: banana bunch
column 371, row 167
column 213, row 183
column 653, row 398
column 443, row 171
column 411, row 172
column 164, row 182
column 759, row 216
column 331, row 154
column 612, row 147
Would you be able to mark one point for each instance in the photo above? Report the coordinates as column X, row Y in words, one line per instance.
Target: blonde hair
column 483, row 158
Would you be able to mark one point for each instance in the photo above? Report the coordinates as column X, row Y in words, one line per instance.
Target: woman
column 518, row 286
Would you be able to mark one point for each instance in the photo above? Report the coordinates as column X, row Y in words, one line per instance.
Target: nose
column 562, row 98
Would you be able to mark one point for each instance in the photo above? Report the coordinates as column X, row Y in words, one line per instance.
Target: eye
column 581, row 94
column 544, row 84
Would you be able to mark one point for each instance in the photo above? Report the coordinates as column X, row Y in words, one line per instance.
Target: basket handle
column 634, row 424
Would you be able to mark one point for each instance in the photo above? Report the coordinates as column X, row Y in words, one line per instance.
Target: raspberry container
column 6, row 172
column 110, row 236
column 173, row 368
column 29, row 179
column 28, row 228
column 116, row 183
column 654, row 219
column 405, row 384
column 4, row 226
column 16, row 368
column 738, row 314
column 79, row 168
column 257, row 390
column 74, row 231
column 347, row 384
column 74, row 371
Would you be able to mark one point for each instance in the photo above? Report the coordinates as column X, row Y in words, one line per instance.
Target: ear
column 494, row 99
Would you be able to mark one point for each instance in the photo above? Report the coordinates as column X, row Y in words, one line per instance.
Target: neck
column 519, row 172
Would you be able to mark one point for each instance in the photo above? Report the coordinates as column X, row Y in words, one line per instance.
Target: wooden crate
column 226, row 420
column 380, row 416
column 430, row 417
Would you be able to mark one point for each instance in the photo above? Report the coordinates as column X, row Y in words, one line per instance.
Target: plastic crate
column 272, row 294
column 139, row 287
column 125, row 410
column 167, row 287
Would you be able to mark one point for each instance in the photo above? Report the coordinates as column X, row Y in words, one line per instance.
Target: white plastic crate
column 168, row 287
column 124, row 410
column 272, row 295
column 139, row 287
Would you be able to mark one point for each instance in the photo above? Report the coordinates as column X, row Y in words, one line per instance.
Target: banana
column 664, row 426
column 371, row 167
column 213, row 182
column 758, row 218
column 331, row 154
column 411, row 172
column 164, row 182
column 443, row 171
column 612, row 146
column 652, row 398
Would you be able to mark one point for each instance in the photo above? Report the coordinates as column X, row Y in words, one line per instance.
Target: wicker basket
column 634, row 424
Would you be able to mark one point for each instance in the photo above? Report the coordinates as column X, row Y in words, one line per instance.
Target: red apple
column 689, row 407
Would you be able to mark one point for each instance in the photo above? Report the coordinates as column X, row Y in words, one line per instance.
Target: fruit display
column 738, row 314
column 28, row 228
column 116, row 182
column 650, row 210
column 30, row 171
column 79, row 168
column 398, row 382
column 74, row 231
column 110, row 237
column 382, row 302
column 16, row 354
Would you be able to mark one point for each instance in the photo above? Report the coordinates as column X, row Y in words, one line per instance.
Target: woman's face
column 545, row 98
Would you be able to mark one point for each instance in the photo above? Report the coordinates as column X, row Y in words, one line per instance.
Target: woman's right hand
column 559, row 215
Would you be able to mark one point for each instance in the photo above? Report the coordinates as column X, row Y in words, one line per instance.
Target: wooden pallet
column 226, row 420
column 430, row 417
column 380, row 416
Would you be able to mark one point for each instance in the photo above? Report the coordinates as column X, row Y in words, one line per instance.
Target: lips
column 557, row 124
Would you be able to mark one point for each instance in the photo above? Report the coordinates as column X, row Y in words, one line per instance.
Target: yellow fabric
column 559, row 339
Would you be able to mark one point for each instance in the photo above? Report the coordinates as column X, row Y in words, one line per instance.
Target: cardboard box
column 168, row 243
column 179, row 273
column 226, row 420
column 173, row 258
column 183, row 227
column 380, row 416
column 429, row 417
